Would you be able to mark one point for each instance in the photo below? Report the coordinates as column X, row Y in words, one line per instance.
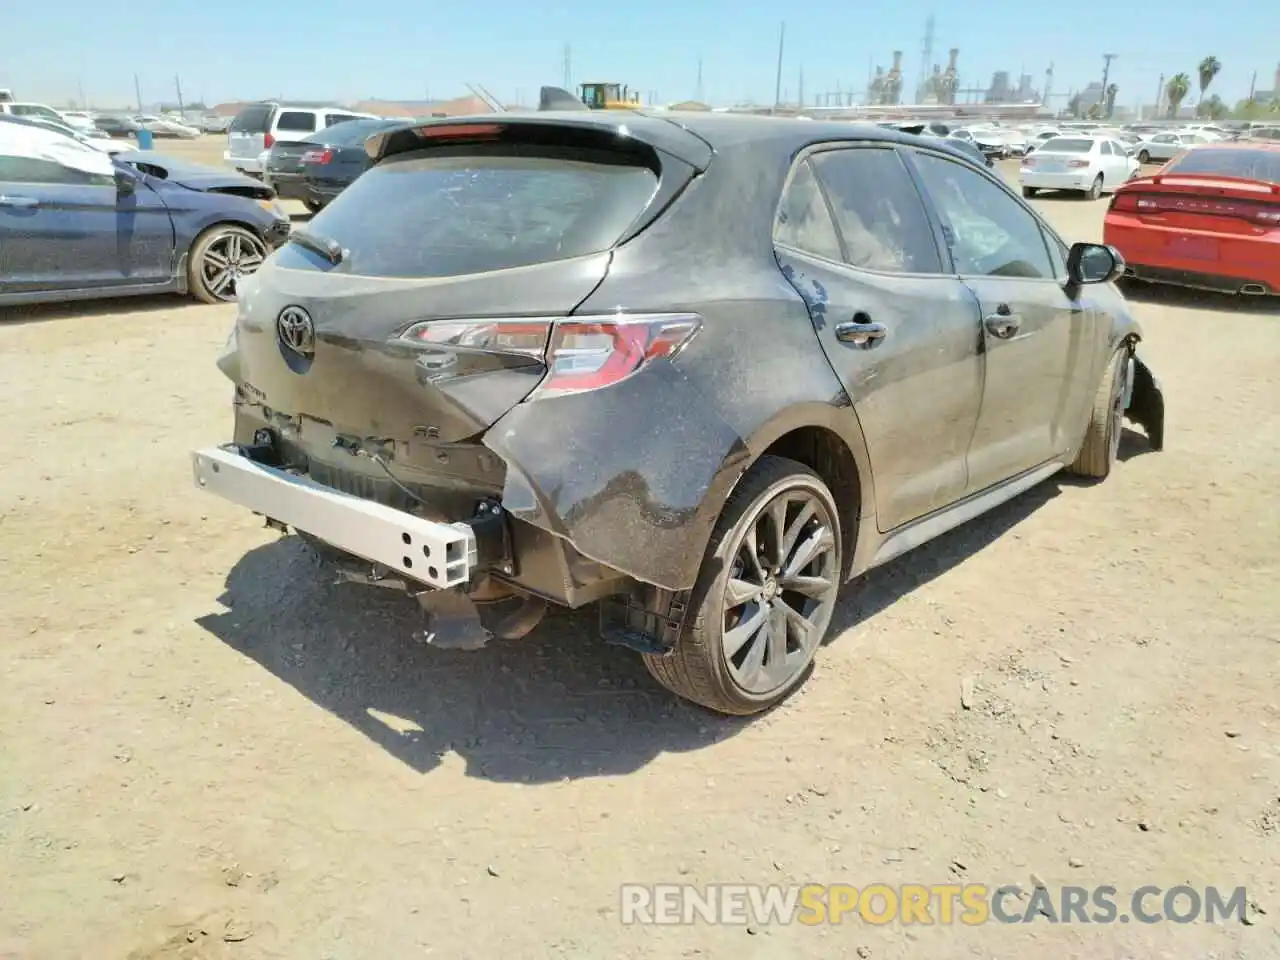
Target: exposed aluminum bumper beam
column 440, row 555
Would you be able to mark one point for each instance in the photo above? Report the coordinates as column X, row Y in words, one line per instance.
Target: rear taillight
column 1267, row 215
column 1028, row 161
column 1077, row 164
column 317, row 156
column 580, row 353
column 268, row 141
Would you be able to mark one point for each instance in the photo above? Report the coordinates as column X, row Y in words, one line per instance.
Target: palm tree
column 1209, row 68
column 1176, row 91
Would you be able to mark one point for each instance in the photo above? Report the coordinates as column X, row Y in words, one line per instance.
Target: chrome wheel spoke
column 213, row 257
column 815, row 588
column 737, row 592
column 220, row 282
column 807, row 513
column 800, row 625
column 807, row 551
column 751, row 550
column 777, row 522
column 777, row 640
column 754, row 660
column 738, row 637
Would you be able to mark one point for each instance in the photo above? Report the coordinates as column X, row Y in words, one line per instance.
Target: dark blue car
column 136, row 223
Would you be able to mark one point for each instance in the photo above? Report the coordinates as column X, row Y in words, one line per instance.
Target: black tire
column 1095, row 189
column 204, row 275
column 314, row 206
column 1097, row 455
column 1030, row 192
column 1144, row 157
column 698, row 670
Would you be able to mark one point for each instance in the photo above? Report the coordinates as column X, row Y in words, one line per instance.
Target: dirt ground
column 211, row 752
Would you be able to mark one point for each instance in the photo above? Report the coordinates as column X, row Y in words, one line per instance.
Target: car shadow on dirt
column 1170, row 296
column 558, row 704
column 73, row 309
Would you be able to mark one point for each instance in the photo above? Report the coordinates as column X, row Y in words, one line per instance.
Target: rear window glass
column 1067, row 145
column 457, row 211
column 349, row 134
column 1249, row 164
column 252, row 120
column 296, row 120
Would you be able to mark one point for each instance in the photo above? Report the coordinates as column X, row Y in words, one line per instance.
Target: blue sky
column 319, row 49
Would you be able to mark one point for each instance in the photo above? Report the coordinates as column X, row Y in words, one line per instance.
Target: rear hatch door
column 247, row 133
column 286, row 156
column 475, row 244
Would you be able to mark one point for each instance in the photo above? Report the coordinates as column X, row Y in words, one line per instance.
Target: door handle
column 861, row 332
column 25, row 202
column 1004, row 323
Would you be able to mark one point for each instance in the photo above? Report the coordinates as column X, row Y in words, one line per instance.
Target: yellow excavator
column 608, row 96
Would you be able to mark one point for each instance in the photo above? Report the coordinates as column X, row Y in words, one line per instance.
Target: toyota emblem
column 296, row 331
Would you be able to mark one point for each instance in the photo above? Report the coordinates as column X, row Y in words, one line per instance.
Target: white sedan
column 1087, row 164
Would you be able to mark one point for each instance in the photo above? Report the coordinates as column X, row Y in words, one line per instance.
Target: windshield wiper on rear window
column 331, row 250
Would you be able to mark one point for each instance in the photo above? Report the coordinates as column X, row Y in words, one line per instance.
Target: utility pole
column 1159, row 98
column 926, row 58
column 1106, row 69
column 137, row 91
column 777, row 87
column 568, row 67
column 800, row 90
column 84, row 104
column 178, row 84
column 697, row 96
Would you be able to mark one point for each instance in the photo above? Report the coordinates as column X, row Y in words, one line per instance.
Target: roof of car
column 662, row 129
column 1243, row 145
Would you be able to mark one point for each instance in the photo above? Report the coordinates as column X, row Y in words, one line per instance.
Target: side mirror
column 1094, row 263
column 126, row 181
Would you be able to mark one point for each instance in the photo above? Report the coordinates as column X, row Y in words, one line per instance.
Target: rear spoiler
column 1208, row 179
column 557, row 98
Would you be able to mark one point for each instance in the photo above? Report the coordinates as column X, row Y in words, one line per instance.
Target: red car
column 1209, row 219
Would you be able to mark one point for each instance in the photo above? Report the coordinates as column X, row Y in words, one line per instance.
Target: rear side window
column 296, row 121
column 457, row 211
column 256, row 119
column 878, row 211
column 804, row 222
column 331, row 118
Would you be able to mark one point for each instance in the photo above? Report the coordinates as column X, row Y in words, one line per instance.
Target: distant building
column 999, row 90
column 458, row 107
column 1090, row 96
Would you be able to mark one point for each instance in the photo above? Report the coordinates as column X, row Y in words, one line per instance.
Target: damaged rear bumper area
column 439, row 555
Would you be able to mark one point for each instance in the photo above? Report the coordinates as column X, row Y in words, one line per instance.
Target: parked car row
column 77, row 222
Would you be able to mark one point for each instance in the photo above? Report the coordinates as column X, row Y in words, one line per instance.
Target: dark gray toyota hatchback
column 699, row 368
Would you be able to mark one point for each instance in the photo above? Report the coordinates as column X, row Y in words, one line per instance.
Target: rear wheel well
column 827, row 455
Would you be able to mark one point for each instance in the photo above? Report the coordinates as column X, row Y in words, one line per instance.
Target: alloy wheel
column 780, row 592
column 229, row 258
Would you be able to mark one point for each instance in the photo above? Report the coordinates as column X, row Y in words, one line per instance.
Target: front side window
column 14, row 169
column 804, row 222
column 878, row 211
column 989, row 232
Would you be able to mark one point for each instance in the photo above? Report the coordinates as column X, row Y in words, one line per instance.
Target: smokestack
column 952, row 55
column 897, row 61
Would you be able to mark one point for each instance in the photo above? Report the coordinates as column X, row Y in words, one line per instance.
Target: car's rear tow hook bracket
column 650, row 622
column 493, row 539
